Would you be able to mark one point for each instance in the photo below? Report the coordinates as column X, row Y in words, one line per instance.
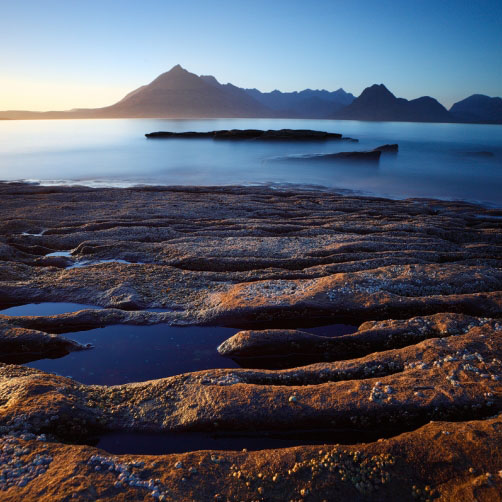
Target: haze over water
column 434, row 160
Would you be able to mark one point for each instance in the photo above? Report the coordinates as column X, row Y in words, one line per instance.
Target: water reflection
column 432, row 159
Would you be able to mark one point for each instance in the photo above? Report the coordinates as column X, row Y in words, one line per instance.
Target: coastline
column 300, row 187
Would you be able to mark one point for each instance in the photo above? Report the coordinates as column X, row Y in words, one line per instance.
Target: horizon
column 88, row 58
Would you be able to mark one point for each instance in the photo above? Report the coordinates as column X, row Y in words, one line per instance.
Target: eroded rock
column 216, row 255
column 255, row 257
column 370, row 337
column 23, row 345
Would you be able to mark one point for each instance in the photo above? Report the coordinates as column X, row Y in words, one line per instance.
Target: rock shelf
column 253, row 134
column 421, row 278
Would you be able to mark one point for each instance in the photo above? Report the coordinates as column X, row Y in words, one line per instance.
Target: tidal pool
column 163, row 443
column 46, row 308
column 125, row 353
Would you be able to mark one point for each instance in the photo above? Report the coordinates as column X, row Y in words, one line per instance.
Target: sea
column 446, row 161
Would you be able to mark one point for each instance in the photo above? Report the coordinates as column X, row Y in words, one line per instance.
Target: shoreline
column 95, row 185
column 241, row 118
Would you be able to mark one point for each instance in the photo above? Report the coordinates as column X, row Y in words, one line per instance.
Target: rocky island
column 253, row 134
column 407, row 406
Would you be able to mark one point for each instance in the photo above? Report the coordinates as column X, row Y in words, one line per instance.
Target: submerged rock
column 387, row 148
column 366, row 156
column 478, row 154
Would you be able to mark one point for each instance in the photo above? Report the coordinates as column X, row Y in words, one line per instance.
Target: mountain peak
column 378, row 103
column 478, row 108
column 378, row 90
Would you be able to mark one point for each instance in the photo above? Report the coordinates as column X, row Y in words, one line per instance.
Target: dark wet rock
column 387, row 148
column 361, row 156
column 21, row 345
column 478, row 154
column 273, row 342
column 54, row 261
column 255, row 134
column 369, row 156
column 86, row 319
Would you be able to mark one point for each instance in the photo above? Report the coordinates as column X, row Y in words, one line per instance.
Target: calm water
column 46, row 308
column 434, row 160
column 124, row 353
column 145, row 443
column 127, row 353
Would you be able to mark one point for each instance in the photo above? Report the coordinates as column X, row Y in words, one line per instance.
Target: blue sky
column 61, row 54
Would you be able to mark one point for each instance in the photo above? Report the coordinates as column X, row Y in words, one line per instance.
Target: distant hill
column 478, row 108
column 378, row 103
column 306, row 104
column 181, row 94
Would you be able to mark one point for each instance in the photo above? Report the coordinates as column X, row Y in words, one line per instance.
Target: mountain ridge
column 179, row 93
column 378, row 103
column 478, row 108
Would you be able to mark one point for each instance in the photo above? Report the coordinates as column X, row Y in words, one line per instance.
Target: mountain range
column 181, row 94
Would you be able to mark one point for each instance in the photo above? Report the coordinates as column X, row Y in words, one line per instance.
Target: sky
column 57, row 55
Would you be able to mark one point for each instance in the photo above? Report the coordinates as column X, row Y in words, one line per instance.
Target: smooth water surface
column 46, row 308
column 145, row 443
column 124, row 353
column 434, row 160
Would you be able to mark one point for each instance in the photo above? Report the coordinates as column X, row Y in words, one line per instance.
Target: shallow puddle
column 90, row 263
column 158, row 443
column 33, row 235
column 124, row 353
column 66, row 254
column 130, row 353
column 46, row 308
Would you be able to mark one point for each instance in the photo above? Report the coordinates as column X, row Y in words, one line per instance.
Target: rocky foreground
column 422, row 280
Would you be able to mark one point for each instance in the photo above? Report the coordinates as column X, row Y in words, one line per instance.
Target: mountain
column 305, row 104
column 181, row 94
column 378, row 103
column 174, row 94
column 478, row 108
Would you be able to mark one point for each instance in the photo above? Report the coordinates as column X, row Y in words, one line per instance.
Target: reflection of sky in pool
column 124, row 353
column 129, row 353
column 46, row 308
